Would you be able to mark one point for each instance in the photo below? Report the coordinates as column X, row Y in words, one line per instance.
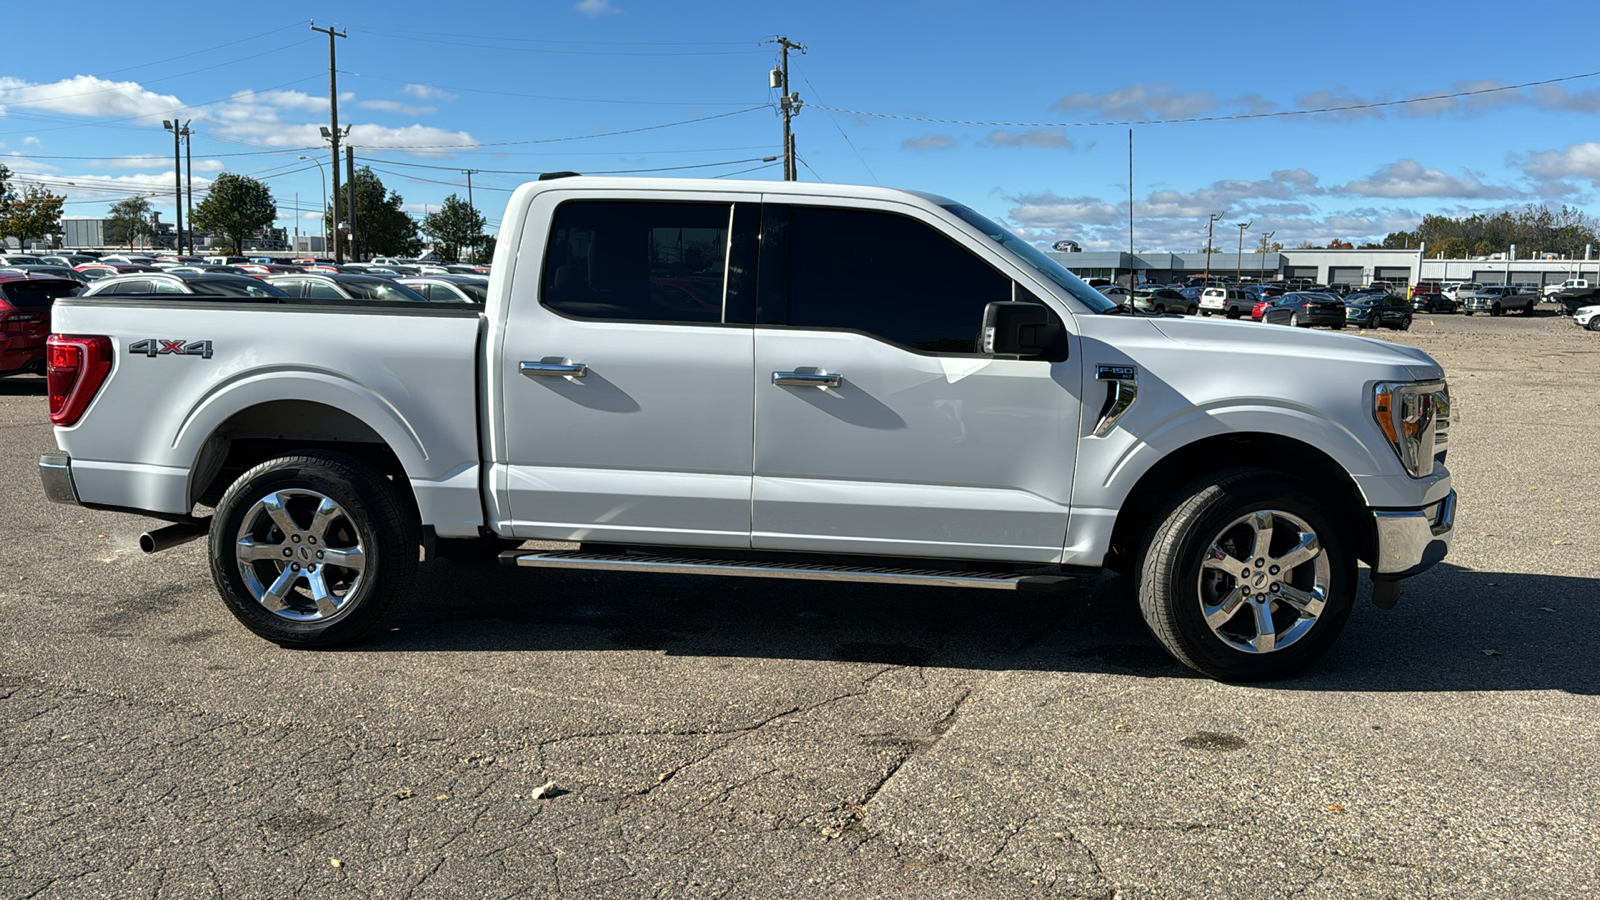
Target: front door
column 880, row 429
column 627, row 384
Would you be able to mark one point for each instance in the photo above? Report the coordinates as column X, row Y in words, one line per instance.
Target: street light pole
column 177, row 179
column 1264, row 238
column 1210, row 227
column 1238, row 261
column 324, row 201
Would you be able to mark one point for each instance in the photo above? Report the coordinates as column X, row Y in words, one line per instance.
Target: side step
column 618, row 562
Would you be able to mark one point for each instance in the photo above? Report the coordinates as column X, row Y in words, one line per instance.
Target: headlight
column 1415, row 417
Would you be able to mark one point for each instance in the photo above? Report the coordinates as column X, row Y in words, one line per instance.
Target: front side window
column 638, row 261
column 889, row 276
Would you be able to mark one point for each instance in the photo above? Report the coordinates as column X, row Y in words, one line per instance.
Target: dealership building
column 1357, row 267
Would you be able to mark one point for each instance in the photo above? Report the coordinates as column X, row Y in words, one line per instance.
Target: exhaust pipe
column 173, row 535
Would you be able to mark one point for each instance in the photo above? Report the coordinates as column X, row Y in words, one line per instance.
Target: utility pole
column 789, row 104
column 177, row 180
column 1264, row 238
column 350, row 202
column 188, row 200
column 1210, row 226
column 331, row 133
column 1238, row 261
column 468, row 173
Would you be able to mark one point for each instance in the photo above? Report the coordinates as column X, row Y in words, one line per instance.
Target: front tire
column 311, row 550
column 1294, row 320
column 1594, row 324
column 1246, row 577
column 1496, row 310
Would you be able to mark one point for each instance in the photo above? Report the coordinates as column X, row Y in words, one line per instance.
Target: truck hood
column 1251, row 340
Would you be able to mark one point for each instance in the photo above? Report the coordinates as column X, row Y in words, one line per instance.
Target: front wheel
column 1294, row 320
column 1496, row 310
column 1594, row 324
column 1246, row 577
column 311, row 550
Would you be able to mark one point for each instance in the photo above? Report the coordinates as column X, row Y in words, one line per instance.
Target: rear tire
column 313, row 549
column 1294, row 320
column 1594, row 324
column 1246, row 576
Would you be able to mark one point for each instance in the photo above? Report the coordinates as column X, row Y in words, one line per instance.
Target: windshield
column 1030, row 254
column 478, row 292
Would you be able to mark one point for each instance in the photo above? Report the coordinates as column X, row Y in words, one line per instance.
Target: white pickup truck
column 1571, row 284
column 771, row 379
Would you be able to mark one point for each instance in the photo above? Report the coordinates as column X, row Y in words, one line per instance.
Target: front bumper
column 1411, row 541
column 55, row 470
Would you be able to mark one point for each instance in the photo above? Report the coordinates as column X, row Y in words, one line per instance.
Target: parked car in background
column 1229, row 301
column 50, row 271
column 1303, row 309
column 1380, row 311
column 171, row 283
column 1459, row 290
column 450, row 288
column 1260, row 308
column 341, row 286
column 25, row 302
column 1434, row 302
column 1587, row 317
column 68, row 259
column 1423, row 287
column 262, row 270
column 20, row 259
column 1162, row 300
column 1386, row 287
column 99, row 270
column 1578, row 284
column 1496, row 299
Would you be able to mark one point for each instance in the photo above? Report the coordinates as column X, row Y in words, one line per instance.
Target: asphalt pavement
column 560, row 733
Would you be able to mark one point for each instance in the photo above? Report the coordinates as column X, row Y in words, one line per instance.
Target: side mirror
column 1016, row 328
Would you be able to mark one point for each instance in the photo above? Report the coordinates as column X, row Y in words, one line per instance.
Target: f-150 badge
column 161, row 347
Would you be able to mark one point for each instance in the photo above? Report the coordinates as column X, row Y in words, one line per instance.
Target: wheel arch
column 1272, row 452
column 261, row 431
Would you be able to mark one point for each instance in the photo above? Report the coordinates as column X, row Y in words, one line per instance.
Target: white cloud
column 1038, row 137
column 395, row 106
column 1409, row 178
column 1138, row 102
column 31, row 141
column 596, row 8
column 1048, row 211
column 1576, row 161
column 86, row 95
column 426, row 92
column 257, row 118
column 929, row 142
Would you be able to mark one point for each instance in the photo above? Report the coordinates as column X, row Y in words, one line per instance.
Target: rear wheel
column 1246, row 577
column 1294, row 320
column 311, row 550
column 1594, row 324
column 1233, row 313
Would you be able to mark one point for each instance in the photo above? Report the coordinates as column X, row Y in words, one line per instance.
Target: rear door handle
column 554, row 370
column 806, row 379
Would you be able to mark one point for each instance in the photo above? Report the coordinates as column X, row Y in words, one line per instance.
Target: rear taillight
column 77, row 367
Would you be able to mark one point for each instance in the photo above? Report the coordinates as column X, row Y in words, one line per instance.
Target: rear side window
column 37, row 294
column 639, row 261
column 889, row 276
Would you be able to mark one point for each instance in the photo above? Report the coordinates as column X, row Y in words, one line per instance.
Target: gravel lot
column 727, row 737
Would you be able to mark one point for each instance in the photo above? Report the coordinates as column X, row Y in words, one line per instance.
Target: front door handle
column 554, row 370
column 806, row 379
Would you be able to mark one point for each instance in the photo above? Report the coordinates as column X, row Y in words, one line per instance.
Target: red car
column 25, row 318
column 1260, row 307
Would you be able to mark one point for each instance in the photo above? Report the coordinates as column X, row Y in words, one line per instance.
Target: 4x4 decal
column 161, row 347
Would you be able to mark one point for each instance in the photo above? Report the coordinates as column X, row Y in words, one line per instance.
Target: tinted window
column 378, row 289
column 320, row 291
column 241, row 288
column 478, row 292
column 36, row 294
column 888, row 276
column 655, row 262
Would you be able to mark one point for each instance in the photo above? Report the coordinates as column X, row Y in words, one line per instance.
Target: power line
column 836, row 124
column 581, row 137
column 1236, row 116
column 587, row 43
column 731, row 162
column 120, row 86
column 479, row 46
column 295, row 24
column 157, row 114
column 445, row 87
column 743, row 171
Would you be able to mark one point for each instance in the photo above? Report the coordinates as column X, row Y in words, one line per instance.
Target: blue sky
column 1037, row 98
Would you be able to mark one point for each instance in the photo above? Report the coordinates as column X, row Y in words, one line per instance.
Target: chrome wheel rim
column 300, row 554
column 1264, row 582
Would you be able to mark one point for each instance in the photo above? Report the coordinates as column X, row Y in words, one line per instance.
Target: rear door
column 879, row 428
column 626, row 370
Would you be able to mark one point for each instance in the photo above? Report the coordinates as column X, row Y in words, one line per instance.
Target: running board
column 615, row 562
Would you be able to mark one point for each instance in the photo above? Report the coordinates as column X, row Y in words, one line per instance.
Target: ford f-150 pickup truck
column 763, row 379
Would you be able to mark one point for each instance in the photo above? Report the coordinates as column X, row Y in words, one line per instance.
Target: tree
column 128, row 219
column 236, row 207
column 36, row 214
column 6, row 194
column 455, row 226
column 1449, row 248
column 383, row 227
column 1337, row 244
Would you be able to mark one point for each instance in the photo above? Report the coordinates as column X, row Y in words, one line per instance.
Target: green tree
column 383, row 227
column 236, row 207
column 1449, row 248
column 35, row 214
column 128, row 220
column 6, row 194
column 456, row 226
